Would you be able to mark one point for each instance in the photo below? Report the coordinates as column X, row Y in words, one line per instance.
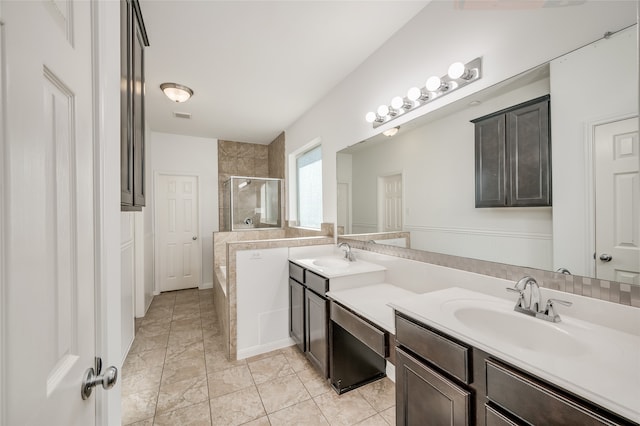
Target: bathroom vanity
column 452, row 370
column 345, row 347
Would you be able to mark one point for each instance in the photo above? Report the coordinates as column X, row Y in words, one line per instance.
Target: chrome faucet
column 347, row 252
column 531, row 305
column 527, row 305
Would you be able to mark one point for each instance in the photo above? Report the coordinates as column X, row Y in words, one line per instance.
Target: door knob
column 194, row 238
column 605, row 257
column 92, row 379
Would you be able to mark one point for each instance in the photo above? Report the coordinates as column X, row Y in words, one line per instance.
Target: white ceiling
column 257, row 66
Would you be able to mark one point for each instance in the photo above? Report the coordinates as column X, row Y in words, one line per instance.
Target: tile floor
column 176, row 374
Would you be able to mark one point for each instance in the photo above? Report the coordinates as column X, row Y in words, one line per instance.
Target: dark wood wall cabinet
column 133, row 40
column 513, row 156
column 440, row 380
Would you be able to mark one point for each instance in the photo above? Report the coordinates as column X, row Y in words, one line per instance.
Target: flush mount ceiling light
column 458, row 75
column 392, row 131
column 176, row 92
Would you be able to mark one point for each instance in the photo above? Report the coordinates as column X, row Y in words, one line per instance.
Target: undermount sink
column 515, row 328
column 331, row 262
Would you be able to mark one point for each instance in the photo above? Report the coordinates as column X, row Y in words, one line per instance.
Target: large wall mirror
column 595, row 180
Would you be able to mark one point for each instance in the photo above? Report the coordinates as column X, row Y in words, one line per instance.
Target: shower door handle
column 194, row 238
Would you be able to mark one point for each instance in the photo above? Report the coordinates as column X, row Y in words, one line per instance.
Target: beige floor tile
column 184, row 368
column 160, row 318
column 217, row 361
column 269, row 368
column 162, row 301
column 262, row 421
column 376, row 420
column 147, row 343
column 381, row 394
column 228, row 381
column 183, row 312
column 190, row 350
column 390, row 415
column 139, row 406
column 190, row 324
column 303, row 413
column 282, row 392
column 145, row 422
column 296, row 359
column 182, row 394
column 142, row 379
column 152, row 328
column 314, row 382
column 144, row 359
column 193, row 415
column 180, row 338
column 345, row 409
column 237, row 408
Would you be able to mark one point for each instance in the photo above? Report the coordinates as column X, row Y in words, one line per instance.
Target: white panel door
column 391, row 205
column 179, row 251
column 343, row 207
column 617, row 187
column 49, row 296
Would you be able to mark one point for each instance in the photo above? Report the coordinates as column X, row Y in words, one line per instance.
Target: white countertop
column 372, row 302
column 606, row 371
column 353, row 268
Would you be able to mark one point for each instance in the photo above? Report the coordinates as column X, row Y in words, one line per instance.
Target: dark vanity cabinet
column 443, row 381
column 513, row 156
column 309, row 314
column 133, row 40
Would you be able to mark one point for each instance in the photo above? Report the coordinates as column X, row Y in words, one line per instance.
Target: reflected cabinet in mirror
column 423, row 179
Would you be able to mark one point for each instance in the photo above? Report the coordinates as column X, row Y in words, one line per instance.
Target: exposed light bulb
column 414, row 94
column 391, row 132
column 433, row 83
column 383, row 110
column 397, row 102
column 456, row 70
column 370, row 117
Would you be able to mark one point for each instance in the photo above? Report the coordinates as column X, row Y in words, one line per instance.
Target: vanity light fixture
column 392, row 131
column 458, row 75
column 176, row 92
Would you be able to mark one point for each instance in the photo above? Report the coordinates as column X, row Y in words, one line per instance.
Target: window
column 309, row 188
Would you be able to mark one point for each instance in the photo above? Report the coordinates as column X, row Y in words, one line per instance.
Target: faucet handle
column 549, row 313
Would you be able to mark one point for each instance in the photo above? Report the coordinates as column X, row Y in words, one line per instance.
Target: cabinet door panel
column 138, row 116
column 424, row 396
column 126, row 142
column 296, row 313
column 528, row 153
column 490, row 162
column 316, row 331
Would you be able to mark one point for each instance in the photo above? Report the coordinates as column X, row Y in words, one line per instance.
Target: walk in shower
column 252, row 203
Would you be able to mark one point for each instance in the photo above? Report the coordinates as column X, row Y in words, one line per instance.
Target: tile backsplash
column 611, row 291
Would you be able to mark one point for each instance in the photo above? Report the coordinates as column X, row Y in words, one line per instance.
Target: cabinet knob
column 194, row 238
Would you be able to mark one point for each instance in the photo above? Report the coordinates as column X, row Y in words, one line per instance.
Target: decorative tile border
column 611, row 291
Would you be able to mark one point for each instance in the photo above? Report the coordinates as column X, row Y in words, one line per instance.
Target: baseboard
column 391, row 371
column 204, row 286
column 261, row 349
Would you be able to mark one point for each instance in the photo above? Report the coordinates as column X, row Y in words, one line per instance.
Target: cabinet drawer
column 317, row 283
column 368, row 334
column 535, row 402
column 296, row 272
column 494, row 418
column 446, row 354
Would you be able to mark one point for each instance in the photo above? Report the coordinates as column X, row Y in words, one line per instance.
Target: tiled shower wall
column 248, row 159
column 611, row 291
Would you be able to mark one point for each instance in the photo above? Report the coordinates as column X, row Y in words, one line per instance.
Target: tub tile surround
column 610, row 291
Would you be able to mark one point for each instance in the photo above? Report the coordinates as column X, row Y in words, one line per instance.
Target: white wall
column 262, row 300
column 437, row 162
column 609, row 72
column 188, row 155
column 510, row 42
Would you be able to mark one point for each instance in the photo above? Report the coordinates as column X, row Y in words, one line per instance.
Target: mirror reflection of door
column 617, row 194
column 390, row 203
